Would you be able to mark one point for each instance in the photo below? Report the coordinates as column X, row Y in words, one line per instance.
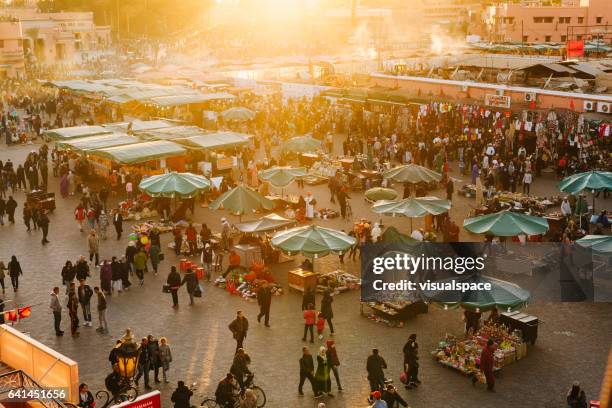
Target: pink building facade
column 530, row 22
column 11, row 48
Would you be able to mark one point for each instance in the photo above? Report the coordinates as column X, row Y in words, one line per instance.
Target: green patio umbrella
column 392, row 235
column 241, row 200
column 503, row 295
column 312, row 241
column 380, row 193
column 238, row 114
column 412, row 173
column 183, row 185
column 590, row 180
column 506, row 224
column 601, row 244
column 413, row 206
column 281, row 176
column 301, row 144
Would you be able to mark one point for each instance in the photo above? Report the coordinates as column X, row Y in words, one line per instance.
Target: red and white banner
column 149, row 400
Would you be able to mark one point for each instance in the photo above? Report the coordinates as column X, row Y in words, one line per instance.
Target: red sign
column 149, row 400
column 575, row 48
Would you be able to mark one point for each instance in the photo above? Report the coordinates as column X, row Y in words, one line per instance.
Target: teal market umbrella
column 506, row 224
column 412, row 173
column 241, row 200
column 238, row 114
column 392, row 235
column 183, row 185
column 591, row 180
column 281, row 176
column 301, row 144
column 381, row 193
column 601, row 244
column 503, row 295
column 412, row 207
column 312, row 241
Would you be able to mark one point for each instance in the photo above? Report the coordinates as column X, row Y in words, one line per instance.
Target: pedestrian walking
column 264, row 299
column 93, row 242
column 527, row 180
column 11, row 206
column 79, row 216
column 143, row 364
column 84, row 293
column 411, row 363
column 327, row 310
column 154, row 252
column 308, row 298
column 207, row 260
column 309, row 321
column 181, row 396
column 333, row 361
column 118, row 222
column 56, row 308
column 43, row 223
column 306, row 371
column 320, row 323
column 375, row 366
column 106, row 277
column 116, row 283
column 3, row 270
column 450, row 189
column 322, row 378
column 103, row 224
column 174, row 283
column 165, row 357
column 68, row 275
column 3, row 206
column 154, row 361
column 190, row 280
column 239, row 328
column 140, row 264
column 15, row 271
column 103, row 328
column 73, row 310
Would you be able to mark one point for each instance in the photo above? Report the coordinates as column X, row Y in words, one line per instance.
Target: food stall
column 338, row 281
column 85, row 144
column 75, row 132
column 301, row 279
column 146, row 158
column 464, row 355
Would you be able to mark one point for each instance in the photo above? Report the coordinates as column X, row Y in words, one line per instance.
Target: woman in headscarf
column 322, row 374
column 106, row 277
column 64, row 186
column 73, row 311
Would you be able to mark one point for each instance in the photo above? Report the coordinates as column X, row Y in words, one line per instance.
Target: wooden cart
column 301, row 279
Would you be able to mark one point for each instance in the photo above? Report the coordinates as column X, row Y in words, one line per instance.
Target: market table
column 394, row 313
column 308, row 159
column 301, row 279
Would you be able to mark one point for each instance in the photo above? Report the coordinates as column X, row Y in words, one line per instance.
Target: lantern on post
column 127, row 356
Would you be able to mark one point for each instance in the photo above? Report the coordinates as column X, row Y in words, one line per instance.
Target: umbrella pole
column 411, row 225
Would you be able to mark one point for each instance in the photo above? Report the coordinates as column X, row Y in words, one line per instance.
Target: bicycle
column 239, row 396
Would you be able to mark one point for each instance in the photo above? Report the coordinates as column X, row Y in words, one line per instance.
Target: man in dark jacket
column 154, row 361
column 118, row 223
column 174, row 282
column 224, row 394
column 84, row 294
column 306, row 371
column 43, row 223
column 82, row 269
column 239, row 328
column 375, row 366
column 264, row 299
column 191, row 281
column 181, row 396
column 143, row 364
column 11, row 206
column 392, row 397
column 411, row 364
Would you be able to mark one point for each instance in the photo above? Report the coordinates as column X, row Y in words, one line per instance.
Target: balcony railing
column 17, row 380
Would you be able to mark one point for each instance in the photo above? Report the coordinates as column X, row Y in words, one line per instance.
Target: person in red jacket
column 79, row 215
column 192, row 239
column 309, row 320
column 486, row 364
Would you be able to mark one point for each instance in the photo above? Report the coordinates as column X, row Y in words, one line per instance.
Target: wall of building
column 472, row 92
column 518, row 22
column 11, row 51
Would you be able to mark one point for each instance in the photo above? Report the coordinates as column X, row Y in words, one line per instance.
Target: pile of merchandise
column 327, row 213
column 245, row 282
column 137, row 209
column 383, row 309
column 147, row 226
column 464, row 355
column 338, row 281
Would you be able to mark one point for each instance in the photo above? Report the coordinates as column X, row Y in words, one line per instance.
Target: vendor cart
column 301, row 279
column 528, row 325
column 41, row 200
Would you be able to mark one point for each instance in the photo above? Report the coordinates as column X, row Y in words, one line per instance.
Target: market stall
column 76, row 132
column 241, row 200
column 85, row 144
column 313, row 242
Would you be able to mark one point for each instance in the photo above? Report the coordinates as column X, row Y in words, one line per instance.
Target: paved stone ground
column 573, row 342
